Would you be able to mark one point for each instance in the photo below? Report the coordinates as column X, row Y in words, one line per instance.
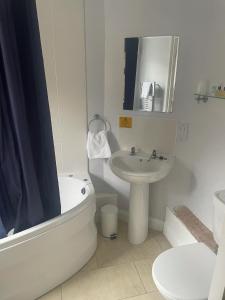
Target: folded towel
column 145, row 89
column 97, row 145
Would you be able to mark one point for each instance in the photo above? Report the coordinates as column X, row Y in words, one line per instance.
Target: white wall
column 129, row 19
column 199, row 169
column 198, row 172
column 200, row 25
column 95, row 53
column 148, row 134
column 63, row 43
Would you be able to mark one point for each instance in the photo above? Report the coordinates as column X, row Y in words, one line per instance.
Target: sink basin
column 136, row 168
column 139, row 171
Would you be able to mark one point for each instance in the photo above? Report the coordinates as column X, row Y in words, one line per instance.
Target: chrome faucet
column 153, row 155
column 132, row 151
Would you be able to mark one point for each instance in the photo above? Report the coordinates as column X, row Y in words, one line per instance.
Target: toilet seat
column 185, row 272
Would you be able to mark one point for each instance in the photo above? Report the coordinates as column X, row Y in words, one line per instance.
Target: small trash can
column 109, row 221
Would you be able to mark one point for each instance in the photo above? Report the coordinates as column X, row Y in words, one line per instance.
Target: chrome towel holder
column 97, row 117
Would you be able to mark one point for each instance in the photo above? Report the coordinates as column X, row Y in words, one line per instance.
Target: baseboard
column 110, row 198
column 176, row 232
column 154, row 224
column 123, row 215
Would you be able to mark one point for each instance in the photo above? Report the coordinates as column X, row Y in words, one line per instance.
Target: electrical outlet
column 182, row 132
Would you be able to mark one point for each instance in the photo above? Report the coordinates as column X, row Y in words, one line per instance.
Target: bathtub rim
column 44, row 227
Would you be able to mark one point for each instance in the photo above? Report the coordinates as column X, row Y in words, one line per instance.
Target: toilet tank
column 219, row 214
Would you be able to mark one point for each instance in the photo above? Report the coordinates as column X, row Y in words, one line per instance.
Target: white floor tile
column 53, row 295
column 112, row 283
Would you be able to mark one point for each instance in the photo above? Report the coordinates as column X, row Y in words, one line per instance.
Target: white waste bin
column 109, row 220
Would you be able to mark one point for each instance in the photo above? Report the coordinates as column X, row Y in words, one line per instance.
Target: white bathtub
column 36, row 260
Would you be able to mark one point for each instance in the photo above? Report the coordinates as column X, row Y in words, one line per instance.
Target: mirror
column 150, row 73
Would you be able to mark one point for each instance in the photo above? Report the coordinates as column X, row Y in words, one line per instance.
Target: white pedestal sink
column 139, row 171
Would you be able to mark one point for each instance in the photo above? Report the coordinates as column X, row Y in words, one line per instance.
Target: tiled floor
column 117, row 271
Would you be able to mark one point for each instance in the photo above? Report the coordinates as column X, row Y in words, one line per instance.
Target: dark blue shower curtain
column 29, row 191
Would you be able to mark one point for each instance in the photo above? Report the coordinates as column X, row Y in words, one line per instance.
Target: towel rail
column 97, row 117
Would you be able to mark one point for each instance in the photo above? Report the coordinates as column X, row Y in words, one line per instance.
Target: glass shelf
column 205, row 98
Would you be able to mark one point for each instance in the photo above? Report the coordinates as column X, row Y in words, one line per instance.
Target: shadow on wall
column 96, row 166
column 174, row 190
column 113, row 143
column 187, row 182
column 98, row 179
column 101, row 186
column 181, row 182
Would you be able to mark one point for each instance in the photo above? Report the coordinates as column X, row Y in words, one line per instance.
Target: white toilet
column 185, row 272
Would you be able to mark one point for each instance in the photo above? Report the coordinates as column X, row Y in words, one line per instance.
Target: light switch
column 125, row 122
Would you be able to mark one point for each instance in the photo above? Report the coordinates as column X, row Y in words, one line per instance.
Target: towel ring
column 97, row 118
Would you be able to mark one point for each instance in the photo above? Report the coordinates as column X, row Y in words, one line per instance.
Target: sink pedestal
column 138, row 213
column 139, row 171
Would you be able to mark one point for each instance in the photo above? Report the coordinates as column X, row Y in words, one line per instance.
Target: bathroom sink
column 138, row 169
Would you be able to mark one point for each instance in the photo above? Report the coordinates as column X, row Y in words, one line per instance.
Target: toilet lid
column 184, row 273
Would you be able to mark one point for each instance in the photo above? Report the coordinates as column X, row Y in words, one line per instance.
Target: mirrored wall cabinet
column 150, row 73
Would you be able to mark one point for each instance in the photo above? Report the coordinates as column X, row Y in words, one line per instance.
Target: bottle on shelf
column 220, row 92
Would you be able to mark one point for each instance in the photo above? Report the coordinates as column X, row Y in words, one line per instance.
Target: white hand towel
column 97, row 145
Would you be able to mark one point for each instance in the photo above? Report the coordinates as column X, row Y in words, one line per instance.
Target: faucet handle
column 132, row 150
column 154, row 152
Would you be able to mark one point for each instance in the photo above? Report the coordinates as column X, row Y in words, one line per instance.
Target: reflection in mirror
column 150, row 73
